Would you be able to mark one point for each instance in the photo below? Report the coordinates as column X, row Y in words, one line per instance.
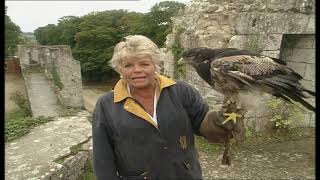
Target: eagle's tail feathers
column 289, row 78
column 294, row 84
column 302, row 101
column 285, row 98
column 294, row 95
column 310, row 92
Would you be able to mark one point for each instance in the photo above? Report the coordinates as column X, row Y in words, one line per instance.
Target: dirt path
column 13, row 83
column 91, row 93
column 283, row 160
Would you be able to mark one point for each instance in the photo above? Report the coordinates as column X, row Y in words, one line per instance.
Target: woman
column 144, row 128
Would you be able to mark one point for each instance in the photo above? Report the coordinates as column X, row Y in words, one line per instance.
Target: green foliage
column 249, row 132
column 99, row 32
column 89, row 174
column 176, row 49
column 92, row 37
column 48, row 35
column 12, row 36
column 282, row 113
column 159, row 22
column 203, row 145
column 18, row 123
column 29, row 39
column 69, row 27
column 56, row 78
column 22, row 103
column 70, row 111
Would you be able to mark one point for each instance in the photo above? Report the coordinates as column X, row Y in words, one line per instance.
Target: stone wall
column 56, row 62
column 255, row 25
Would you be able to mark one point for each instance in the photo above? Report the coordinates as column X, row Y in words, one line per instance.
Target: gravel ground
column 294, row 159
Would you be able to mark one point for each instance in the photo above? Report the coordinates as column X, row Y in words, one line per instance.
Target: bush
column 18, row 124
column 282, row 113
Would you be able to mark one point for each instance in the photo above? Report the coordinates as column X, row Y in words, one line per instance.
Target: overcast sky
column 29, row 15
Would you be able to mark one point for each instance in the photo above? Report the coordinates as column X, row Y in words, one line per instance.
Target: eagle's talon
column 231, row 116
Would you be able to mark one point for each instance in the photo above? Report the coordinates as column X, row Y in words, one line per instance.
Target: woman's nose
column 137, row 68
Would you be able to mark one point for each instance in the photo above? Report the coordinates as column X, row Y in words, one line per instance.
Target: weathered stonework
column 56, row 59
column 256, row 25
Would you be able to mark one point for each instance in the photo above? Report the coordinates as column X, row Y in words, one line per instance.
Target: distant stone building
column 59, row 66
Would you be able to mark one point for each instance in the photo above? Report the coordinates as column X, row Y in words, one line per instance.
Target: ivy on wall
column 56, row 78
column 177, row 49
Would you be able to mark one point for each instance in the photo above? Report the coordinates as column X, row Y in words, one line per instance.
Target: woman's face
column 138, row 72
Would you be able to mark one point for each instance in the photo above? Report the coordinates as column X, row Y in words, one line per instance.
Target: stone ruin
column 55, row 61
column 280, row 29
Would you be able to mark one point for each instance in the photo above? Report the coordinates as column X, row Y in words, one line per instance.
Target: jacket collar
column 121, row 92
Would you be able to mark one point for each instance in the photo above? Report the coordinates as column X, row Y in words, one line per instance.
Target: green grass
column 89, row 174
column 19, row 123
column 203, row 145
column 70, row 111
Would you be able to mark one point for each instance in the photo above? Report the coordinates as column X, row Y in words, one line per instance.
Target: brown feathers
column 231, row 71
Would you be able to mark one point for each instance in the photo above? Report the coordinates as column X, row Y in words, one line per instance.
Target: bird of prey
column 232, row 71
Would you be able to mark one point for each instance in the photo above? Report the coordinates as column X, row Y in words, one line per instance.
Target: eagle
column 232, row 72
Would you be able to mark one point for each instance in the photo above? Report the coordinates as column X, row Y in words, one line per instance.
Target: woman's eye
column 145, row 64
column 127, row 65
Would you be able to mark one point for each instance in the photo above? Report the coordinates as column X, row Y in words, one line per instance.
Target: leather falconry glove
column 216, row 129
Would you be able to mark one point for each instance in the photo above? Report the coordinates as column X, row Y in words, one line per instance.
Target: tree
column 68, row 27
column 159, row 22
column 48, row 35
column 98, row 33
column 12, row 36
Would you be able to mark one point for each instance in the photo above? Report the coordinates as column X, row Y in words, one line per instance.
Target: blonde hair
column 135, row 46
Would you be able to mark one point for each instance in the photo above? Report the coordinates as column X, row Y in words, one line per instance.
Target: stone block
column 265, row 42
column 273, row 42
column 310, row 72
column 286, row 54
column 310, row 85
column 306, row 42
column 169, row 40
column 237, row 41
column 311, row 26
column 312, row 120
column 274, row 23
column 274, row 54
column 298, row 67
column 276, row 5
column 303, row 55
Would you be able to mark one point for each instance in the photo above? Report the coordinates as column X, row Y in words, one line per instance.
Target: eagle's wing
column 262, row 73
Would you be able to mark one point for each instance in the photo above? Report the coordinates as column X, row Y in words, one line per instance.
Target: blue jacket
column 127, row 144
